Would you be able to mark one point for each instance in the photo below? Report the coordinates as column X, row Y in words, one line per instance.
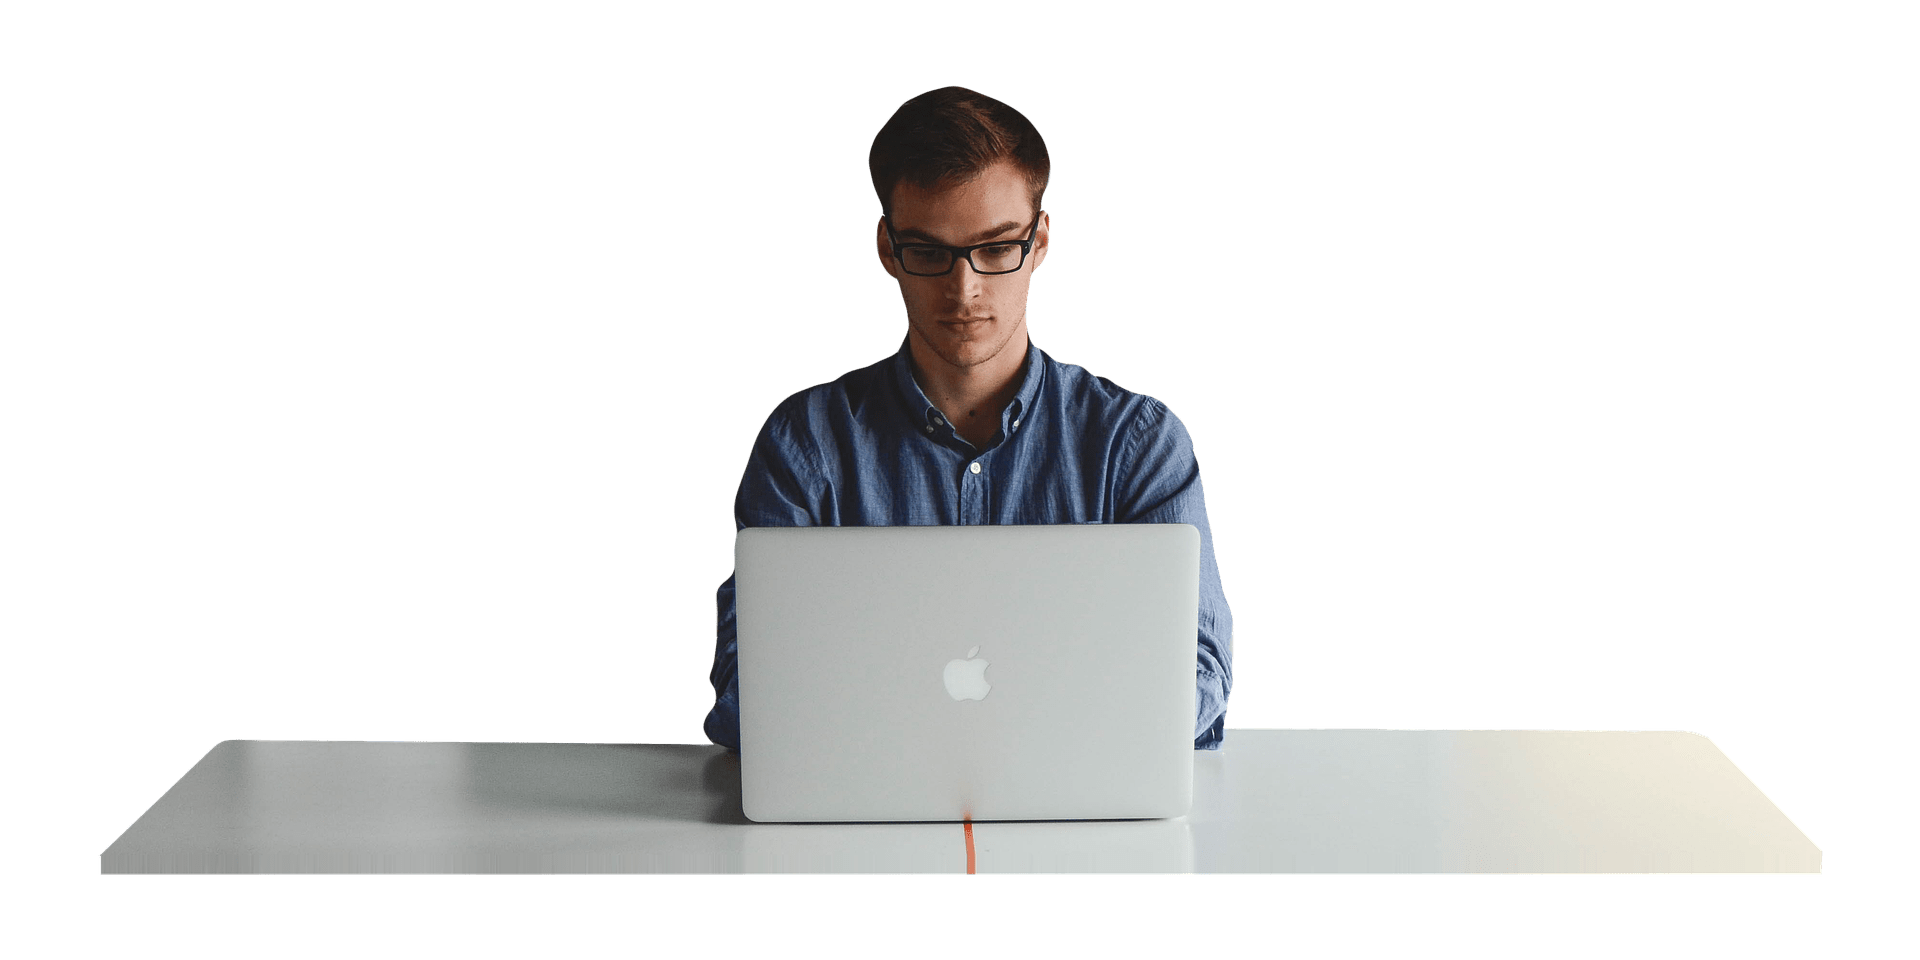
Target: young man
column 970, row 423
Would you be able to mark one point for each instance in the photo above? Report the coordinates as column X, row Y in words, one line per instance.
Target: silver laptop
column 967, row 673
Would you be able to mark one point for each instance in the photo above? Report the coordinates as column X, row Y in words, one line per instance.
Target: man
column 969, row 423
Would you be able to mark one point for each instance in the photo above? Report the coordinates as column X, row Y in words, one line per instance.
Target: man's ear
column 1040, row 240
column 885, row 249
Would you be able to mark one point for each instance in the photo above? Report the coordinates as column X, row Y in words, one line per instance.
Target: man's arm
column 772, row 494
column 723, row 721
column 1158, row 481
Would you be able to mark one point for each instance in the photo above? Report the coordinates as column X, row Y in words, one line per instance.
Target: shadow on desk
column 254, row 806
column 654, row 781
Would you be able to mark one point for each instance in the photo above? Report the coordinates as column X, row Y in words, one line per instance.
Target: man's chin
column 967, row 353
column 965, row 349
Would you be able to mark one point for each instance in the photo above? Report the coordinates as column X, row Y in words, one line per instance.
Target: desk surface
column 1270, row 801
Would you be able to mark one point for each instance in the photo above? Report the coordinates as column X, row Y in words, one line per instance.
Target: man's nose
column 965, row 281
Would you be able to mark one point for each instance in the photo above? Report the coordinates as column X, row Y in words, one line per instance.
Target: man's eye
column 999, row 258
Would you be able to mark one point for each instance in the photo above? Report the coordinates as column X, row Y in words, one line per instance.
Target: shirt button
column 929, row 428
column 1016, row 423
column 974, row 467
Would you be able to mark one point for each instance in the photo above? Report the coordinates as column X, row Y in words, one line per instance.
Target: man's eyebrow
column 981, row 237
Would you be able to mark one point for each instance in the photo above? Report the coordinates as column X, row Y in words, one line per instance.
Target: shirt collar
column 922, row 411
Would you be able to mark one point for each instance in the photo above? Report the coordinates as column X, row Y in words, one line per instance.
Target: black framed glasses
column 988, row 259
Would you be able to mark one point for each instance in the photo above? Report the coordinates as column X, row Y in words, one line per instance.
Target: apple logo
column 967, row 679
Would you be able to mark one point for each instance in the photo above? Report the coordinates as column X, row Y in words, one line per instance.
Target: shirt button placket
column 973, row 494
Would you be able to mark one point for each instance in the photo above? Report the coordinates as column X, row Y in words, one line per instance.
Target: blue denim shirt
column 870, row 449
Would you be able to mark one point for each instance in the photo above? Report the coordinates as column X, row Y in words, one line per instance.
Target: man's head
column 950, row 135
column 956, row 168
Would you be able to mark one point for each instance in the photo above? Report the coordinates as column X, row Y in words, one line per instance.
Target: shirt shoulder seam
column 780, row 430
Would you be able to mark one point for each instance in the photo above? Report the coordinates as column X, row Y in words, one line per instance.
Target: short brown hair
column 949, row 135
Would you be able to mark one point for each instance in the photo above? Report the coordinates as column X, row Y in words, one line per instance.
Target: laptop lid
column 967, row 672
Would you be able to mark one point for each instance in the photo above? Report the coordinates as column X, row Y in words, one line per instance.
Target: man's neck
column 971, row 397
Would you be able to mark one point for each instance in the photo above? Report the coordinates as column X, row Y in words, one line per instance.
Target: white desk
column 1292, row 801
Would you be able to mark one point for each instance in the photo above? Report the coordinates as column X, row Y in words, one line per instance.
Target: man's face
column 963, row 318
